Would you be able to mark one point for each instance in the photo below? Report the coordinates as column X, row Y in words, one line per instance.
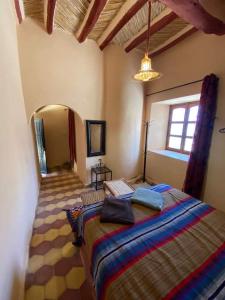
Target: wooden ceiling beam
column 171, row 42
column 94, row 10
column 126, row 12
column 157, row 24
column 19, row 10
column 194, row 13
column 49, row 12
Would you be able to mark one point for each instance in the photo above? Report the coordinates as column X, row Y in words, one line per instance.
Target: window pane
column 178, row 114
column 193, row 113
column 174, row 142
column 188, row 144
column 191, row 129
column 176, row 129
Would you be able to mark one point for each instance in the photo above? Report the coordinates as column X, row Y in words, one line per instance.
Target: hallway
column 55, row 269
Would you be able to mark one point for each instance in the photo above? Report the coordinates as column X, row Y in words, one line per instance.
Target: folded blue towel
column 148, row 198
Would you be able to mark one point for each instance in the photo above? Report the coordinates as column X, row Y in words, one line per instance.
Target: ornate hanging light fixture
column 147, row 73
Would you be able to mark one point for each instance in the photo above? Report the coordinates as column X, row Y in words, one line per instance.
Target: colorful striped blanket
column 178, row 253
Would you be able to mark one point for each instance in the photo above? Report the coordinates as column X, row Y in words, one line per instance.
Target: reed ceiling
column 34, row 9
column 69, row 16
column 109, row 12
column 164, row 34
column 137, row 22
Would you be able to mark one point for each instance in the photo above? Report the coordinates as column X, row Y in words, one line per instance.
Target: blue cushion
column 148, row 198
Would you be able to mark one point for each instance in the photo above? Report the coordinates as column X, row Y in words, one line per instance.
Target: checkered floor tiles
column 55, row 269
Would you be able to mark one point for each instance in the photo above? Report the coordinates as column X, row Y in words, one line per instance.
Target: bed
column 178, row 253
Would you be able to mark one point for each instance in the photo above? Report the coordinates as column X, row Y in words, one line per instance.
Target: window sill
column 172, row 154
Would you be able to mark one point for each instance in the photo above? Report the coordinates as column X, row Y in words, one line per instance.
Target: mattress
column 178, row 253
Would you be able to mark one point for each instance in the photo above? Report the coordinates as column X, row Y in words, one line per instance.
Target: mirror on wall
column 96, row 131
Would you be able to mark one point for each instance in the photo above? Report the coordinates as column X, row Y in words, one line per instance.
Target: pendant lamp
column 146, row 72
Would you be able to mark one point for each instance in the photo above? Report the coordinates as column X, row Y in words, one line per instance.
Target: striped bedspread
column 178, row 253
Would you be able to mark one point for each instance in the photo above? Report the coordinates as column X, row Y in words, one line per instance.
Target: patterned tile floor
column 55, row 269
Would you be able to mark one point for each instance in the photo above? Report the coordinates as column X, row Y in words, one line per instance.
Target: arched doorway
column 59, row 141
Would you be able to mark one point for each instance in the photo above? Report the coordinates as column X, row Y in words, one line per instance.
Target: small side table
column 99, row 175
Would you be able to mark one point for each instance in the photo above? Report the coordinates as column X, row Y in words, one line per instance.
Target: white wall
column 191, row 60
column 85, row 79
column 63, row 72
column 164, row 169
column 56, row 69
column 18, row 184
column 158, row 126
column 81, row 149
column 123, row 112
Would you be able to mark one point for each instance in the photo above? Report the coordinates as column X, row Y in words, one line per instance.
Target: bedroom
column 39, row 69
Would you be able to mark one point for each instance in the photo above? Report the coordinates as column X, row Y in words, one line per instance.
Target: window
column 181, row 127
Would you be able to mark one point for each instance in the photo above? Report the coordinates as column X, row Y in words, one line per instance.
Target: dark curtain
column 40, row 139
column 72, row 140
column 202, row 140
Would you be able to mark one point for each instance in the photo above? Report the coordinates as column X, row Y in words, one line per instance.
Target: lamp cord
column 149, row 22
